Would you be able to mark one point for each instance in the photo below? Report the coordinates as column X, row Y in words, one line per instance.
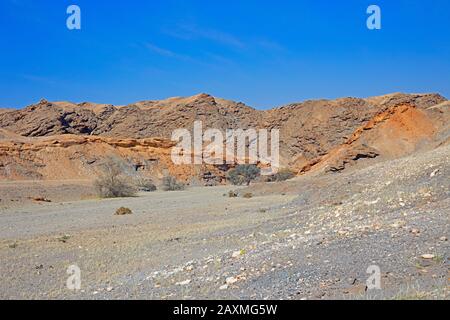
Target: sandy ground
column 22, row 193
column 310, row 238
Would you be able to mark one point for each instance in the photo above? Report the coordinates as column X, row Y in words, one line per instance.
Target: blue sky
column 263, row 53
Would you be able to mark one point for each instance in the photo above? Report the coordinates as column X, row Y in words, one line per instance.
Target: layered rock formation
column 62, row 140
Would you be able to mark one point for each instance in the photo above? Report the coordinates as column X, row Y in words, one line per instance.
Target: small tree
column 243, row 174
column 112, row 182
column 170, row 183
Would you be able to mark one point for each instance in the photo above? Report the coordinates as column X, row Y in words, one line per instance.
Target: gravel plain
column 313, row 237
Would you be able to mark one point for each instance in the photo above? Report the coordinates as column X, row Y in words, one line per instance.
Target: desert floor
column 309, row 238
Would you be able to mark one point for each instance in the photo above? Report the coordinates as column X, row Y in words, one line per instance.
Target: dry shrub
column 282, row 175
column 232, row 194
column 122, row 211
column 170, row 183
column 145, row 184
column 112, row 182
column 243, row 174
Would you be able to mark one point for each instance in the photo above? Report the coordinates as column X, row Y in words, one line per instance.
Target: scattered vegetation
column 438, row 259
column 232, row 194
column 13, row 245
column 122, row 211
column 282, row 175
column 248, row 195
column 244, row 174
column 412, row 294
column 170, row 183
column 145, row 184
column 112, row 182
column 63, row 238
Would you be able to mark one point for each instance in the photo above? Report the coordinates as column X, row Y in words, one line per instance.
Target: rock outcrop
column 64, row 140
column 394, row 132
column 81, row 157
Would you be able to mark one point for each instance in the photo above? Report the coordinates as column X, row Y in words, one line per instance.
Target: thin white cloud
column 205, row 59
column 190, row 32
column 169, row 53
column 160, row 51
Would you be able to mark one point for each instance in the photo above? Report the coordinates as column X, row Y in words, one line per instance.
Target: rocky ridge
column 324, row 135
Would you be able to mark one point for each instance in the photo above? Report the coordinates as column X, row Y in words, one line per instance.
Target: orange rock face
column 79, row 157
column 392, row 133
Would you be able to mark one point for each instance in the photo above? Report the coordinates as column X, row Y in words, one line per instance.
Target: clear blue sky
column 264, row 53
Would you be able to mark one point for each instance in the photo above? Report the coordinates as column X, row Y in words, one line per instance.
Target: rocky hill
column 4, row 110
column 321, row 135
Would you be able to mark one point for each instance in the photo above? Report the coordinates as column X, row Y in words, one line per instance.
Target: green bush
column 243, row 174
